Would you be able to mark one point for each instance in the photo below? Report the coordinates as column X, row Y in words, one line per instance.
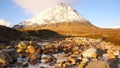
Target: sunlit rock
column 91, row 52
column 22, row 46
column 97, row 64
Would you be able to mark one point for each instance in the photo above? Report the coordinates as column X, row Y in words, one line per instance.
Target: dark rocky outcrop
column 7, row 34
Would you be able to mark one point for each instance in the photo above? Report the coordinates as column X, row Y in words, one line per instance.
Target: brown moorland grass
column 80, row 29
column 109, row 35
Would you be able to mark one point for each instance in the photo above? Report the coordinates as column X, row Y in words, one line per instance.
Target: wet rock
column 117, row 52
column 22, row 59
column 67, row 64
column 43, row 58
column 30, row 50
column 91, row 52
column 105, row 57
column 75, row 53
column 48, row 59
column 13, row 54
column 60, row 57
column 7, row 56
column 81, row 65
column 84, row 60
column 114, row 63
column 22, row 46
column 36, row 56
column 111, row 54
column 51, row 64
column 59, row 64
column 97, row 64
column 2, row 46
column 8, row 47
column 48, row 46
column 49, row 51
column 79, row 57
column 72, row 60
column 4, row 57
column 64, row 64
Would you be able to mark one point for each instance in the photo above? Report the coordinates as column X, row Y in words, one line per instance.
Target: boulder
column 97, row 64
column 117, row 52
column 91, row 53
column 12, row 53
column 22, row 46
column 36, row 56
column 7, row 56
column 84, row 60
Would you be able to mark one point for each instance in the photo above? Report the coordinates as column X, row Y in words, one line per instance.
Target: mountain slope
column 62, row 18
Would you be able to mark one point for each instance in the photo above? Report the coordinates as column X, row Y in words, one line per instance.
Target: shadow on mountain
column 7, row 34
column 42, row 34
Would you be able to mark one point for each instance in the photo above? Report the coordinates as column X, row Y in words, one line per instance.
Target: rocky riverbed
column 72, row 52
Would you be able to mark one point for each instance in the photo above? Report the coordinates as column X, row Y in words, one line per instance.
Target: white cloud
column 5, row 23
column 35, row 7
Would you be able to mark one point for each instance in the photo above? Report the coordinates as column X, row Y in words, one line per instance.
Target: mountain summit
column 58, row 14
column 61, row 18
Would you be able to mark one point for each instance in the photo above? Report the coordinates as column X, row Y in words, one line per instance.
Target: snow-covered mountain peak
column 62, row 4
column 59, row 14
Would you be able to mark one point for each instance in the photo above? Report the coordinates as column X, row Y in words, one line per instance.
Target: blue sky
column 102, row 13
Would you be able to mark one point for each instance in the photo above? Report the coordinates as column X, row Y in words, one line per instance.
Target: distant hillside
column 7, row 34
